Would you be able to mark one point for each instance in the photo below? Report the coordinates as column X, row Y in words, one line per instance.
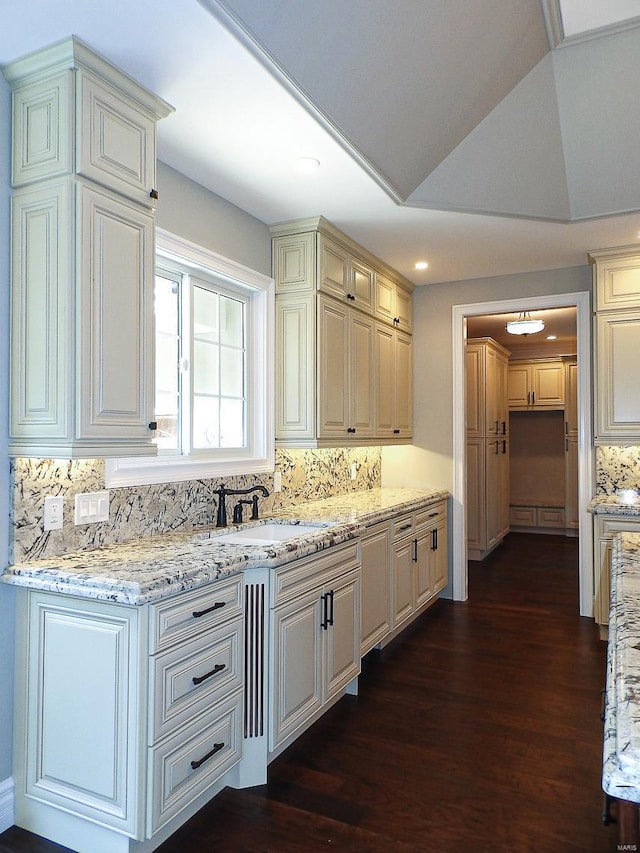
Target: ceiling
column 560, row 323
column 486, row 137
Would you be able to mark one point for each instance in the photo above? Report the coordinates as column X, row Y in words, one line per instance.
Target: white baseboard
column 7, row 811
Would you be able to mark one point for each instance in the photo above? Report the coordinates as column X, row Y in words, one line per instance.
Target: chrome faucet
column 222, row 492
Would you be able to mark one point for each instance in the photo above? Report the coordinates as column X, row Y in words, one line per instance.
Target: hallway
column 479, row 731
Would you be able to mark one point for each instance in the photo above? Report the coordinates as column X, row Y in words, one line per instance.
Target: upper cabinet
column 535, row 385
column 83, row 172
column 616, row 278
column 343, row 342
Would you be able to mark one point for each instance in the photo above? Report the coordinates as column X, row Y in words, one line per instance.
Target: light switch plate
column 91, row 507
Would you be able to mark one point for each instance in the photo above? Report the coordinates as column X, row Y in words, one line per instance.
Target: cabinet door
column 422, row 568
column 296, row 684
column 333, row 335
column 403, row 387
column 617, row 397
column 116, row 349
column 333, row 262
column 361, row 286
column 385, row 299
column 404, row 309
column 439, row 557
column 476, row 502
column 493, row 491
column 375, row 586
column 618, row 282
column 493, row 404
column 83, row 709
column 361, row 376
column 342, row 637
column 116, row 141
column 571, row 399
column 518, row 386
column 547, row 381
column 384, row 372
column 294, row 263
column 475, row 386
column 402, row 582
column 571, row 478
column 295, row 368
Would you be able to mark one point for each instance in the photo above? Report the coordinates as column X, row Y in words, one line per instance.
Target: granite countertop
column 621, row 755
column 146, row 570
column 624, row 502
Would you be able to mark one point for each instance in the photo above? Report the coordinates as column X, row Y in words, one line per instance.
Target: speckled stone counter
column 625, row 502
column 145, row 570
column 621, row 758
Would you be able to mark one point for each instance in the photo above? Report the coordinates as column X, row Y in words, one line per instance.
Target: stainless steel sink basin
column 267, row 534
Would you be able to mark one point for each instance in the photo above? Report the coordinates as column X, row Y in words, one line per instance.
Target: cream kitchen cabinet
column 83, row 170
column 315, row 639
column 572, row 511
column 419, row 563
column 605, row 528
column 536, row 385
column 375, row 557
column 128, row 718
column 487, row 445
column 339, row 379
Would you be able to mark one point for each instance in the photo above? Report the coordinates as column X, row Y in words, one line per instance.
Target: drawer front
column 429, row 516
column 522, row 516
column 184, row 765
column 550, row 516
column 184, row 616
column 606, row 526
column 403, row 526
column 190, row 677
column 302, row 575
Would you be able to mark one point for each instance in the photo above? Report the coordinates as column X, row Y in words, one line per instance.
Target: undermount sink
column 266, row 534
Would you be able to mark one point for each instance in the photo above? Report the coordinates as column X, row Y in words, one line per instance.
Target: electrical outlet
column 354, row 470
column 277, row 481
column 53, row 513
column 91, row 507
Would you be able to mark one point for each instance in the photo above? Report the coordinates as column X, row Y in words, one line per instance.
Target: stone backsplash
column 617, row 469
column 138, row 511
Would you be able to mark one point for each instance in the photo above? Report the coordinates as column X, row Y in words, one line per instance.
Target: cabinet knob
column 396, row 320
column 396, row 432
column 154, row 194
column 351, row 297
column 351, row 429
column 153, row 425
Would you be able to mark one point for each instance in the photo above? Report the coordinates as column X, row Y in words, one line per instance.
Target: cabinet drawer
column 191, row 613
column 301, row 576
column 427, row 517
column 403, row 526
column 213, row 659
column 213, row 742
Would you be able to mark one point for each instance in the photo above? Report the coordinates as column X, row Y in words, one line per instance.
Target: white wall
column 190, row 211
column 429, row 461
column 7, row 597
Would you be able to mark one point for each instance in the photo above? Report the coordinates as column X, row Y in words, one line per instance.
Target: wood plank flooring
column 477, row 731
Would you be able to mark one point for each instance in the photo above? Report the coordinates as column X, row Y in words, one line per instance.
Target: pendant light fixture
column 524, row 325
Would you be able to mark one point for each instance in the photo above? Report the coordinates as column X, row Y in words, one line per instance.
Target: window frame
column 259, row 455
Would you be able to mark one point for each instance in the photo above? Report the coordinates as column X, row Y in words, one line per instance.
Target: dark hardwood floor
column 477, row 731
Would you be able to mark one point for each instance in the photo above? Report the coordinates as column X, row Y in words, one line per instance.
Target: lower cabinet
column 315, row 638
column 375, row 555
column 127, row 717
column 605, row 528
column 419, row 563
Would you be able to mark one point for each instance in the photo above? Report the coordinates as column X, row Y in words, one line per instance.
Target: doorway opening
column 461, row 315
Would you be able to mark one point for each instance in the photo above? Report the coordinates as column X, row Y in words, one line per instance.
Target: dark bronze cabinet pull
column 198, row 679
column 154, row 194
column 396, row 432
column 198, row 613
column 504, row 446
column 434, row 539
column 216, row 748
column 415, row 550
column 325, row 618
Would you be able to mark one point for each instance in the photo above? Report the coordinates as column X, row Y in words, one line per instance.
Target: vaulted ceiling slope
column 463, row 106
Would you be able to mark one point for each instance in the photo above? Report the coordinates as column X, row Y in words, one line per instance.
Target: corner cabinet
column 343, row 341
column 616, row 281
column 82, row 257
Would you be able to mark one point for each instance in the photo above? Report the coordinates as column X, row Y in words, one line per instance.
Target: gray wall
column 429, row 460
column 190, row 211
column 7, row 597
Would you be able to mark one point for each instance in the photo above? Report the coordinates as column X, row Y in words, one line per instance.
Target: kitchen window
column 213, row 370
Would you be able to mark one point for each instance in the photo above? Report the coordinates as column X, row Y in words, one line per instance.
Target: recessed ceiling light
column 552, row 337
column 422, row 265
column 306, row 164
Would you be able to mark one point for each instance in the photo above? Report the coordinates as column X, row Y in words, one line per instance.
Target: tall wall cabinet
column 83, row 172
column 617, row 342
column 343, row 341
column 487, row 422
